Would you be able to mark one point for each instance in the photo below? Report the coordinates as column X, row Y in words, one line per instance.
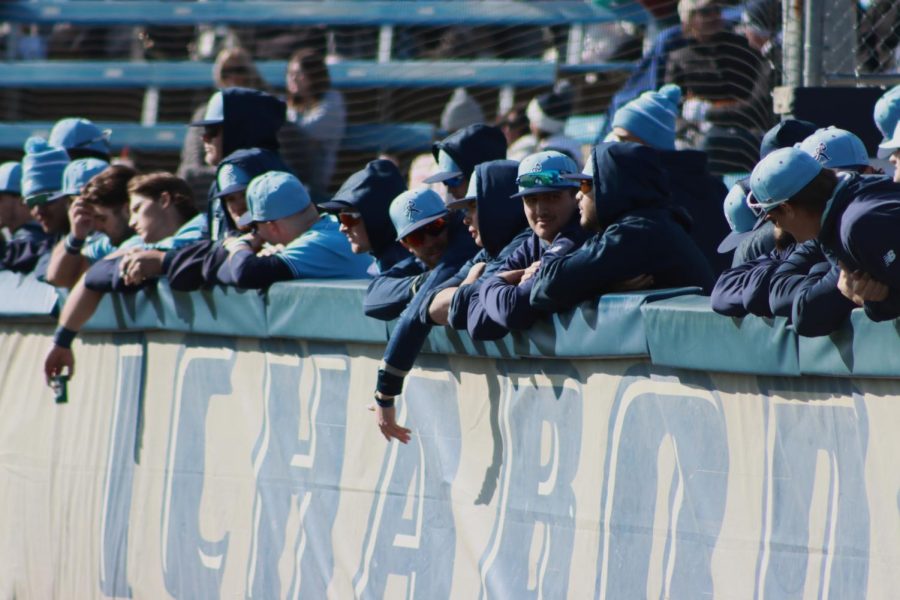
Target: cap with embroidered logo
column 77, row 174
column 836, row 148
column 414, row 209
column 272, row 196
column 545, row 172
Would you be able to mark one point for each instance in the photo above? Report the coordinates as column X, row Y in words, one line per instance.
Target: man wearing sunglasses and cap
column 638, row 233
column 459, row 152
column 305, row 245
column 27, row 238
column 42, row 173
column 854, row 218
column 440, row 245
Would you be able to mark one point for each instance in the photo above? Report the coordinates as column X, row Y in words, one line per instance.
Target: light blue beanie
column 651, row 116
column 42, row 167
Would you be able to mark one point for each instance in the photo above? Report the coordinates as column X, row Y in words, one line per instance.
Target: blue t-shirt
column 324, row 251
column 192, row 231
column 99, row 246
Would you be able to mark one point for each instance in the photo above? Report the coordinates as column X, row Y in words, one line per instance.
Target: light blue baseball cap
column 215, row 112
column 545, row 172
column 891, row 145
column 231, row 179
column 77, row 174
column 11, row 178
column 272, row 196
column 887, row 111
column 79, row 134
column 780, row 175
column 741, row 218
column 414, row 209
column 836, row 148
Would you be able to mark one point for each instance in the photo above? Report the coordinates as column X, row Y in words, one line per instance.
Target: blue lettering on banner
column 815, row 473
column 530, row 551
column 411, row 520
column 192, row 565
column 298, row 462
column 666, row 472
column 121, row 459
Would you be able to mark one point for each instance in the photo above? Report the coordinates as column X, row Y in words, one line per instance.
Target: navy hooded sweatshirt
column 410, row 332
column 196, row 265
column 28, row 244
column 859, row 229
column 370, row 192
column 701, row 194
column 471, row 146
column 502, row 227
column 641, row 232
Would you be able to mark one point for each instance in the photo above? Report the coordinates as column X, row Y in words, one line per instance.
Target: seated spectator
column 639, row 233
column 458, row 154
column 839, row 150
column 233, row 67
column 726, row 85
column 440, row 246
column 197, row 265
column 515, row 127
column 26, row 237
column 761, row 25
column 853, row 217
column 498, row 225
column 66, row 261
column 362, row 205
column 551, row 208
column 302, row 243
column 461, row 111
column 163, row 214
column 650, row 120
column 81, row 138
column 317, row 108
column 42, row 170
column 547, row 116
column 746, row 239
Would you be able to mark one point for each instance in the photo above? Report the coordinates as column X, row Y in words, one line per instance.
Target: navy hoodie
column 701, row 194
column 641, row 232
column 370, row 192
column 859, row 229
column 503, row 228
column 28, row 244
column 196, row 265
column 472, row 146
column 498, row 306
column 410, row 332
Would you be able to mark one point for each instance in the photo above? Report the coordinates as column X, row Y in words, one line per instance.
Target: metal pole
column 813, row 39
column 792, row 25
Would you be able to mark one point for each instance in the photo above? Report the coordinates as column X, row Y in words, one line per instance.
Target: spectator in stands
column 460, row 111
column 853, row 217
column 42, row 170
column 302, row 243
column 235, row 119
column 639, row 233
column 650, row 120
column 761, row 25
column 234, row 67
column 316, row 107
column 498, row 225
column 198, row 264
column 163, row 214
column 26, row 237
column 458, row 154
column 362, row 205
column 440, row 245
column 503, row 300
column 726, row 85
column 891, row 150
column 547, row 116
column 839, row 150
column 67, row 262
column 81, row 138
column 515, row 127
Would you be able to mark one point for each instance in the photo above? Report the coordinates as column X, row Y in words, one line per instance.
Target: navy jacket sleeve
column 502, row 303
column 819, row 307
column 184, row 266
column 105, row 276
column 478, row 323
column 790, row 275
column 755, row 294
column 244, row 269
column 453, row 281
column 727, row 296
column 389, row 293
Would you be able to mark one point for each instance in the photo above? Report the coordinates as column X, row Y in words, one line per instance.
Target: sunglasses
column 349, row 219
column 211, row 131
column 541, row 178
column 38, row 199
column 433, row 229
column 465, row 207
column 103, row 137
column 454, row 181
column 586, row 186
